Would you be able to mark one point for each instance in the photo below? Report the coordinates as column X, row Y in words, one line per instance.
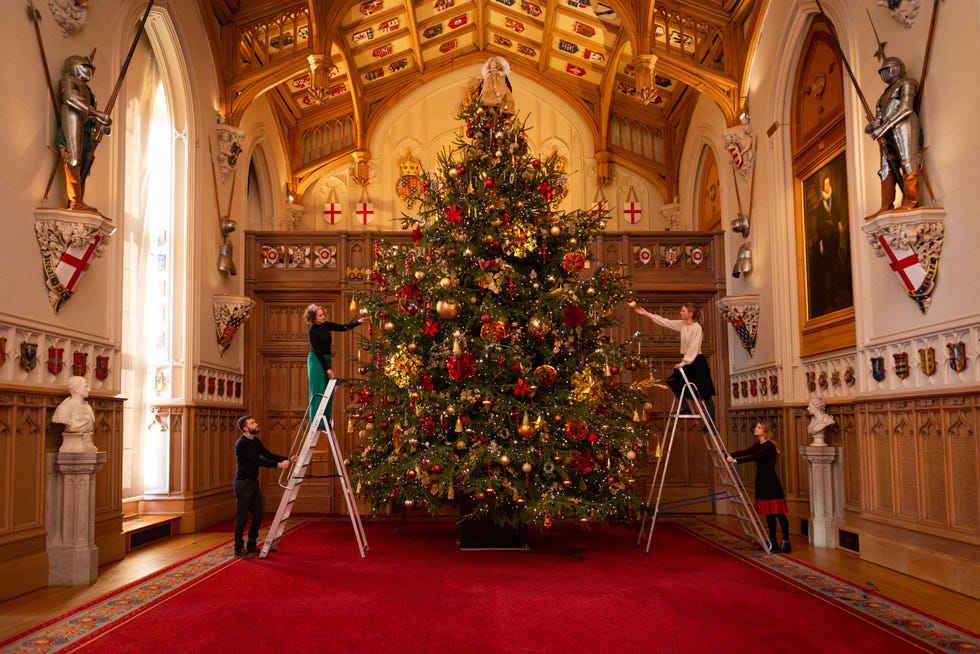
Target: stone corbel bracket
column 230, row 312
column 229, row 148
column 739, row 141
column 911, row 242
column 69, row 241
column 742, row 313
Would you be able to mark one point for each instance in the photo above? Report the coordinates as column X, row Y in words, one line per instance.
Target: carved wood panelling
column 922, row 457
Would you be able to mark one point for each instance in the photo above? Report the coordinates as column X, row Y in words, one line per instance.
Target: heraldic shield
column 927, row 360
column 957, row 356
column 69, row 241
column 878, row 368
column 901, row 365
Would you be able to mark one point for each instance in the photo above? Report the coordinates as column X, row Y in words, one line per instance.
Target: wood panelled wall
column 911, row 475
column 27, row 438
column 667, row 270
column 201, row 442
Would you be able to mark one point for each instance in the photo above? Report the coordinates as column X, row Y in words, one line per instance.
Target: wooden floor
column 22, row 613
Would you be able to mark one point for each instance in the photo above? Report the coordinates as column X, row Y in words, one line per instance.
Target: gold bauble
column 445, row 282
column 391, row 267
column 526, row 467
column 419, row 274
column 460, row 445
column 412, row 347
column 572, row 241
column 590, row 291
column 504, row 460
column 555, row 230
column 447, row 309
column 453, row 172
column 389, row 326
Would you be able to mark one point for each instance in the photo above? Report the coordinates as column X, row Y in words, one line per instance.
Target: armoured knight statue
column 896, row 128
column 79, row 121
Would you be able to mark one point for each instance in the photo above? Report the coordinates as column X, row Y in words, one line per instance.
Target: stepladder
column 688, row 405
column 291, row 479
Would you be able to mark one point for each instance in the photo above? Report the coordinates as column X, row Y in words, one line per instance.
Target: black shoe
column 785, row 548
column 253, row 548
column 243, row 554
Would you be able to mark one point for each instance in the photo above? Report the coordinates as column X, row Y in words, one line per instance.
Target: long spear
column 883, row 143
column 35, row 16
column 98, row 133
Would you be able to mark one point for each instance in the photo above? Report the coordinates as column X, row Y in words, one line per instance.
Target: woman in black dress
column 770, row 500
column 318, row 363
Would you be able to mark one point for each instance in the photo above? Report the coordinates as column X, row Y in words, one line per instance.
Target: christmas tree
column 490, row 368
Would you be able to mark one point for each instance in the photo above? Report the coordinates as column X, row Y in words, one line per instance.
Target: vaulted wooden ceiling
column 332, row 68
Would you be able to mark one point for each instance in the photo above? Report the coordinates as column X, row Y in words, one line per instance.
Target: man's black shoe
column 243, row 554
column 254, row 549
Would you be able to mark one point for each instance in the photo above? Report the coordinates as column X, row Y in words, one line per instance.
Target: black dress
column 769, row 495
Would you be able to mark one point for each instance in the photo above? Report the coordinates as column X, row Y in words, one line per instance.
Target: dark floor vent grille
column 850, row 540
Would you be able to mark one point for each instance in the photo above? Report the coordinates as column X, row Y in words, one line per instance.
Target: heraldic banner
column 230, row 311
column 70, row 241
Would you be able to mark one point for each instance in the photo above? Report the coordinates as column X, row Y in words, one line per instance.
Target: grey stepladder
column 731, row 487
column 291, row 479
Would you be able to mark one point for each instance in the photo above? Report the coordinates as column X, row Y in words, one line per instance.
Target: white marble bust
column 820, row 421
column 77, row 417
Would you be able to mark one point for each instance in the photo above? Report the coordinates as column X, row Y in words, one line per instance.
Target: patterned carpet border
column 121, row 605
column 83, row 623
column 927, row 631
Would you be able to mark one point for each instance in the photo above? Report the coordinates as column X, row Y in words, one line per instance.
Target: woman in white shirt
column 692, row 361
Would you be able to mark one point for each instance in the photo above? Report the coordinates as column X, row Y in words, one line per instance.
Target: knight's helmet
column 76, row 64
column 894, row 65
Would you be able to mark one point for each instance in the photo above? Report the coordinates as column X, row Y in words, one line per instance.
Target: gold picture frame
column 826, row 289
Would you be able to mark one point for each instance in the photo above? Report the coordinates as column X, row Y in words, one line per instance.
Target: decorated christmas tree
column 489, row 370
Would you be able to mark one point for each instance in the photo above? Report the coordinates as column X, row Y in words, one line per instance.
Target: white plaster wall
column 887, row 321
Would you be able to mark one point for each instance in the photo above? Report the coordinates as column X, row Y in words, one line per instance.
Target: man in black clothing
column 251, row 455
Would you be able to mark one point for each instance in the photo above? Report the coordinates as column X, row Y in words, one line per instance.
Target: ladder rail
column 729, row 479
column 292, row 477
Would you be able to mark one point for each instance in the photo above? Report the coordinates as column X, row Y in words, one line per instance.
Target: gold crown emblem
column 409, row 165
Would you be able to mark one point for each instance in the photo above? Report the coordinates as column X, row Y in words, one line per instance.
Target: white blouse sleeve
column 693, row 335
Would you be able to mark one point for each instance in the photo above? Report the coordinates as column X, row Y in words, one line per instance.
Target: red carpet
column 700, row 590
column 416, row 591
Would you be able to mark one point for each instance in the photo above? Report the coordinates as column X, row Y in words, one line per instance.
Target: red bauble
column 536, row 164
column 436, row 469
column 614, row 370
column 488, row 183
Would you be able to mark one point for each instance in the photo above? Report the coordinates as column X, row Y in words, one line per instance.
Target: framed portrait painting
column 827, row 292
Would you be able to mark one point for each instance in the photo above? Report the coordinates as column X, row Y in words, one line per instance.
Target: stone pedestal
column 73, row 558
column 826, row 493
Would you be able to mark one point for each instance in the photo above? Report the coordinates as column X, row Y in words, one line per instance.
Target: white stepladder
column 292, row 477
column 731, row 485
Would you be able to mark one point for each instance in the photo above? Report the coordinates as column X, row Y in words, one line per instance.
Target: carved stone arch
column 708, row 193
column 260, row 208
column 818, row 151
column 818, row 123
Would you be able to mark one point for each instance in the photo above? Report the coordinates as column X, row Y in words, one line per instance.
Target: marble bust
column 820, row 421
column 77, row 417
